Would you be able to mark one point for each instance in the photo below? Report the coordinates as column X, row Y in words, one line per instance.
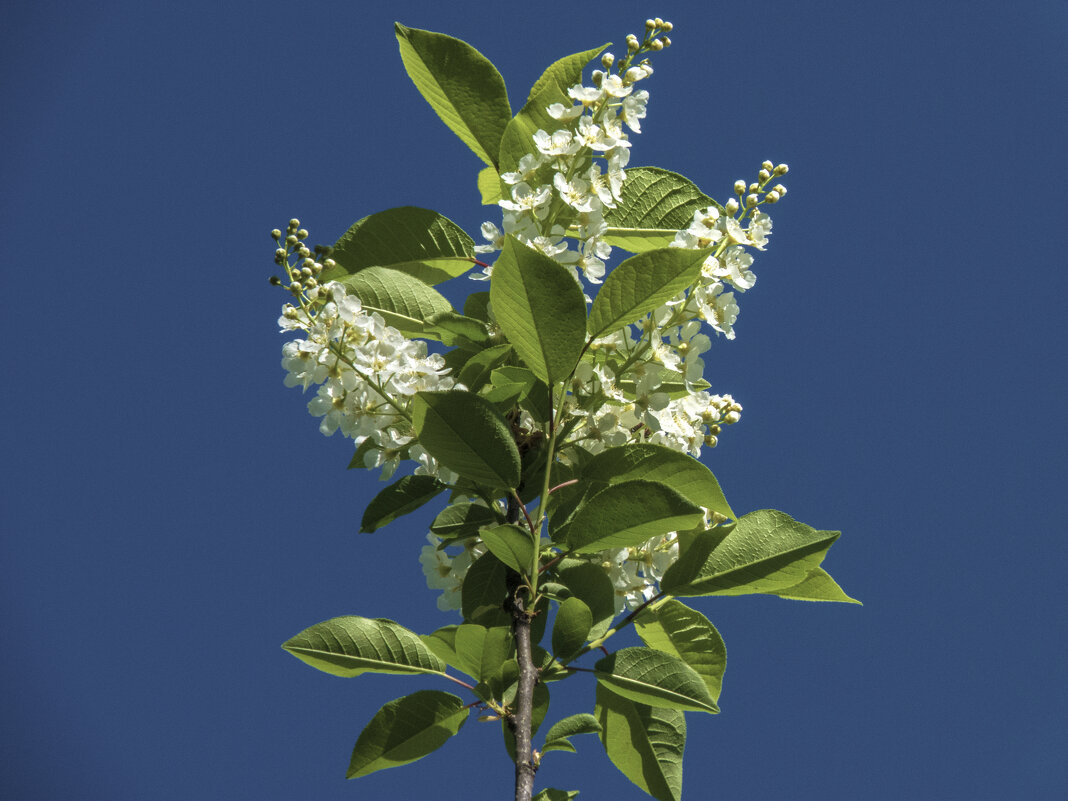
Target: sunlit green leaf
column 653, row 677
column 817, row 586
column 557, row 738
column 645, row 743
column 540, row 308
column 629, row 513
column 456, row 329
column 765, row 552
column 405, row 302
column 550, row 88
column 463, row 520
column 467, row 434
column 552, row 794
column 482, row 651
column 419, row 242
column 349, row 646
column 489, row 186
column 479, row 367
column 461, row 85
column 655, row 205
column 676, row 629
column 684, row 474
column 642, row 284
column 407, row 729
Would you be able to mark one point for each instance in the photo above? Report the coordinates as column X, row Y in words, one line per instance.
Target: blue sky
column 170, row 513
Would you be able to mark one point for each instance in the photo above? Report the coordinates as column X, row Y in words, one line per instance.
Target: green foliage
column 589, row 583
column 420, row 242
column 655, row 204
column 767, row 551
column 541, row 310
column 399, row 498
column 512, row 545
column 817, row 586
column 483, row 592
column 552, row 794
column 462, row 520
column 405, row 730
column 675, row 629
column 550, row 88
column 573, row 623
column 467, row 434
column 653, row 677
column 641, row 284
column 482, row 652
column 559, row 734
column 461, row 85
column 350, row 646
column 644, row 742
column 629, row 513
column 404, row 302
column 489, row 186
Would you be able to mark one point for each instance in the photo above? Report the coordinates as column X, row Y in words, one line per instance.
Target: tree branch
column 521, row 721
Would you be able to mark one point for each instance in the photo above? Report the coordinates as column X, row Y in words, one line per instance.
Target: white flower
column 559, row 143
column 558, row 111
column 633, row 109
column 759, row 230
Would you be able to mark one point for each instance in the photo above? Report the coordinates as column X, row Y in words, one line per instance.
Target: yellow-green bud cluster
column 295, row 257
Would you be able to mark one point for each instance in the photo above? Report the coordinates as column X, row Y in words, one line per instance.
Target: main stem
column 521, row 720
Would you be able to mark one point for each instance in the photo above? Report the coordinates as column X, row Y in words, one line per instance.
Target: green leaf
column 456, row 329
column 404, row 302
column 628, row 514
column 477, row 306
column 466, row 434
column 552, row 794
column 350, row 646
column 573, row 623
column 405, row 730
column 642, row 284
column 442, row 643
column 590, row 583
column 365, row 447
column 483, row 592
column 540, row 308
column 463, row 520
column 461, row 85
column 817, row 586
column 766, row 551
column 556, row 739
column 654, row 677
column 477, row 371
column 482, row 651
column 645, row 743
column 654, row 205
column 685, row 633
column 398, row 499
column 509, row 384
column 550, row 88
column 512, row 545
column 489, row 186
column 419, row 242
column 684, row 474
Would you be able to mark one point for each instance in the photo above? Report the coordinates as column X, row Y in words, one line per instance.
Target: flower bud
column 739, row 187
column 294, row 224
column 276, row 234
column 764, row 176
column 772, row 197
column 292, row 239
column 667, row 27
column 732, row 207
column 732, row 418
column 656, row 44
column 304, row 253
column 295, row 287
column 302, row 234
column 307, row 263
column 275, row 280
column 782, row 169
column 607, row 60
column 650, row 24
column 306, row 272
column 754, row 187
column 751, row 200
column 767, row 165
column 711, row 441
column 666, row 41
column 659, row 23
column 329, row 264
column 280, row 253
column 780, row 189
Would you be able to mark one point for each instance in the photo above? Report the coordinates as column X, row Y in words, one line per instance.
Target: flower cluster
column 366, row 371
column 559, row 187
column 445, row 571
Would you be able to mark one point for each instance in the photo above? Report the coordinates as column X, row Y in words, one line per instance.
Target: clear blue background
column 171, row 515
